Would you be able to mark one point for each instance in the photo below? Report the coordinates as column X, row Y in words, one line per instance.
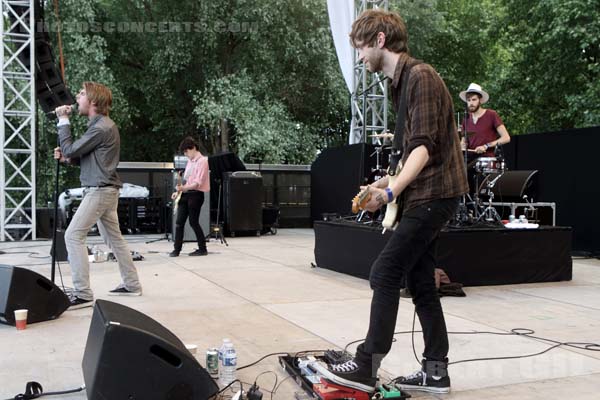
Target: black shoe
column 198, row 252
column 422, row 382
column 77, row 303
column 174, row 253
column 123, row 291
column 348, row 374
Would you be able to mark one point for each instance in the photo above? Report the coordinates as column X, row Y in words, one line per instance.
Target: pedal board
column 317, row 387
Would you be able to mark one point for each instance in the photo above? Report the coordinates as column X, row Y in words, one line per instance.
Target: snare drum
column 489, row 165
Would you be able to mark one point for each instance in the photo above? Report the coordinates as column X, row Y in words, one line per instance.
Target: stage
column 263, row 294
column 473, row 257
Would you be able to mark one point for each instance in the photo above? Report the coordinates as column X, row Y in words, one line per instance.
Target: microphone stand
column 55, row 222
column 462, row 215
column 73, row 108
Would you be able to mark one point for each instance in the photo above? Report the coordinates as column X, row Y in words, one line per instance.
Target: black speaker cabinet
column 21, row 288
column 242, row 202
column 130, row 356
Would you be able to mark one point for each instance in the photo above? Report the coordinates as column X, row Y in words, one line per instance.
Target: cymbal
column 383, row 135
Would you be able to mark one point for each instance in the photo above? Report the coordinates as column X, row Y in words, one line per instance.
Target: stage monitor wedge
column 130, row 356
column 22, row 288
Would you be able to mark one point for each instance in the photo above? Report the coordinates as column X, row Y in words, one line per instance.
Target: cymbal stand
column 377, row 154
column 490, row 214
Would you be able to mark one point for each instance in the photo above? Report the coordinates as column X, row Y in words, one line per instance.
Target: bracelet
column 390, row 194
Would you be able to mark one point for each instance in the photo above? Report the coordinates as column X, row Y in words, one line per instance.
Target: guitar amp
column 242, row 202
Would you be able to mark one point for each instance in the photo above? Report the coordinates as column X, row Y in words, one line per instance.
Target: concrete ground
column 263, row 294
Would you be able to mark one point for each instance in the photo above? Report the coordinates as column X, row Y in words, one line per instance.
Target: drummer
column 485, row 130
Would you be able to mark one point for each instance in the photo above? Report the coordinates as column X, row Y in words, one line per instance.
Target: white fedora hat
column 475, row 88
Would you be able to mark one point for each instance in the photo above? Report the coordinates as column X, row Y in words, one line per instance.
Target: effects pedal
column 389, row 392
column 337, row 356
column 330, row 391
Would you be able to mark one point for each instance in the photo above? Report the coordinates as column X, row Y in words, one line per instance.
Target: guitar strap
column 398, row 142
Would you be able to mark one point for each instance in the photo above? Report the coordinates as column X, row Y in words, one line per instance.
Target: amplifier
column 242, row 202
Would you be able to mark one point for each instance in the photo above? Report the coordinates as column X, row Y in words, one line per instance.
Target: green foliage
column 551, row 77
column 264, row 131
column 286, row 53
column 455, row 37
column 262, row 78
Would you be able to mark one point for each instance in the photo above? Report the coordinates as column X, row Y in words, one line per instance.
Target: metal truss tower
column 369, row 106
column 17, row 121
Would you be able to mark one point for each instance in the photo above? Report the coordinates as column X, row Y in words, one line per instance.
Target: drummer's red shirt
column 484, row 130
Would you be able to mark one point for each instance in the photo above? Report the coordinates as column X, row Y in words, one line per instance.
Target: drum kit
column 378, row 171
column 486, row 171
column 489, row 169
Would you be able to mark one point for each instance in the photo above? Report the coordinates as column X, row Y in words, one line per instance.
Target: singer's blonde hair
column 99, row 95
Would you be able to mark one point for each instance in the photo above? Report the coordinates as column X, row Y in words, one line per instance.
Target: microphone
column 72, row 109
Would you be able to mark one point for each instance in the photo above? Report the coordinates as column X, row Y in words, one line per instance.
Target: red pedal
column 330, row 391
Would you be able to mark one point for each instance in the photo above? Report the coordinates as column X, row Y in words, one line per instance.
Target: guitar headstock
column 360, row 200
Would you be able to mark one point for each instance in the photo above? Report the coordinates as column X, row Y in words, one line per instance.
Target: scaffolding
column 369, row 105
column 17, row 121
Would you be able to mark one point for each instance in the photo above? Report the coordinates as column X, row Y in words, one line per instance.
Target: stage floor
column 263, row 294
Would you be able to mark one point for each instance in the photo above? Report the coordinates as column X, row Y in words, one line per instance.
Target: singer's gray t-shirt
column 97, row 151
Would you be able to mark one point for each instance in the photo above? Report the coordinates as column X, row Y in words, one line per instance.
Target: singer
column 97, row 153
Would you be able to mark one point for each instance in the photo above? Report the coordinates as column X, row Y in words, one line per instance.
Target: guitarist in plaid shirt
column 430, row 183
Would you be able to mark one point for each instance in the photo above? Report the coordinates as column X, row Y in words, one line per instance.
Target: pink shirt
column 196, row 171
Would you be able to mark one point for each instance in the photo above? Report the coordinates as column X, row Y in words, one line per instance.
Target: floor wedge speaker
column 130, row 356
column 22, row 288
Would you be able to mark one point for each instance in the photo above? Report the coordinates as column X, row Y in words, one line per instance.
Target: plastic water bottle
column 228, row 364
column 222, row 349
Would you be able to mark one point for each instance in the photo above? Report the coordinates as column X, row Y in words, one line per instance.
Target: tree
column 285, row 51
column 551, row 78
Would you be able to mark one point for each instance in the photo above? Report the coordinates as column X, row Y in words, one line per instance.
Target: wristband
column 390, row 194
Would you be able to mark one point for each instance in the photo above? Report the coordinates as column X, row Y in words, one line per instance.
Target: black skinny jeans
column 409, row 256
column 190, row 205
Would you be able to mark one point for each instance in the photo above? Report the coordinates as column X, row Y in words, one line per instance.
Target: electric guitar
column 178, row 197
column 360, row 200
column 393, row 210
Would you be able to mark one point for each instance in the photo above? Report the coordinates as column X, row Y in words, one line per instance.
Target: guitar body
column 393, row 211
column 176, row 203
